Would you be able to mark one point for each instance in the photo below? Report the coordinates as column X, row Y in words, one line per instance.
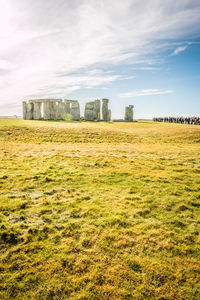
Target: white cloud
column 145, row 92
column 146, row 68
column 57, row 47
column 178, row 50
column 5, row 65
column 128, row 77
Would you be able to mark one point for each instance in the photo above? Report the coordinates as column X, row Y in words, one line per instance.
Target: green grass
column 99, row 210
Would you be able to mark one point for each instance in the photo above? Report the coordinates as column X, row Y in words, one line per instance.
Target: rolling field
column 99, row 210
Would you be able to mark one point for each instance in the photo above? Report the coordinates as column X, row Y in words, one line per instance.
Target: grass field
column 99, row 210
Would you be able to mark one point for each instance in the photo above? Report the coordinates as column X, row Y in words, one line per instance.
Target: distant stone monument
column 98, row 109
column 106, row 113
column 57, row 109
column 109, row 115
column 67, row 104
column 60, row 111
column 129, row 113
column 53, row 109
column 46, row 110
column 75, row 110
column 92, row 111
column 29, row 111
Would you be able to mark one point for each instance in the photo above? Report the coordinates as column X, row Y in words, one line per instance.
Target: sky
column 140, row 52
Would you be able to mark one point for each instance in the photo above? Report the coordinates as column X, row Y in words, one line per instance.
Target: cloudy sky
column 140, row 52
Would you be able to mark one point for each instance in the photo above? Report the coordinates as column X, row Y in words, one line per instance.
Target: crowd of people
column 181, row 120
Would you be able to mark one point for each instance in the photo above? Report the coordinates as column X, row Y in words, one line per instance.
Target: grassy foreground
column 99, row 210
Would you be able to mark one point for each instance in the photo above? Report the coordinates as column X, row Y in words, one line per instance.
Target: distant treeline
column 180, row 120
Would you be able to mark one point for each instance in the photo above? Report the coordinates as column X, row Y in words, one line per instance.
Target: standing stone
column 126, row 117
column 75, row 111
column 105, row 109
column 67, row 106
column 54, row 108
column 98, row 105
column 46, row 110
column 37, row 115
column 24, row 110
column 60, row 111
column 51, row 109
column 109, row 114
column 53, row 105
column 90, row 111
column 29, row 111
column 129, row 113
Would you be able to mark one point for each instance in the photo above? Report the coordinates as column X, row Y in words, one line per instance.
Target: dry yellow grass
column 99, row 210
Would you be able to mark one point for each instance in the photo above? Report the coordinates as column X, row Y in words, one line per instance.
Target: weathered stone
column 46, row 110
column 56, row 109
column 109, row 114
column 90, row 111
column 29, row 111
column 60, row 111
column 24, row 110
column 126, row 117
column 75, row 111
column 98, row 106
column 37, row 115
column 129, row 113
column 105, row 109
column 52, row 112
column 52, row 109
column 67, row 106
